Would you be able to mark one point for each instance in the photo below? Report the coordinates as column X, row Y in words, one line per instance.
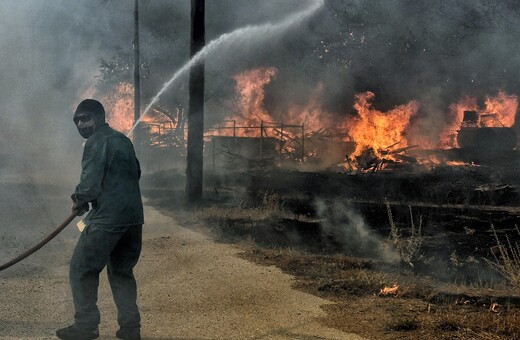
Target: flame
column 462, row 301
column 459, row 163
column 119, row 105
column 389, row 290
column 250, row 113
column 373, row 129
column 494, row 307
column 504, row 106
column 499, row 111
column 249, row 101
column 250, row 110
column 311, row 113
column 448, row 136
column 119, row 108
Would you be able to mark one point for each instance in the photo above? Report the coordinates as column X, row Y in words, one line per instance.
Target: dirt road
column 190, row 288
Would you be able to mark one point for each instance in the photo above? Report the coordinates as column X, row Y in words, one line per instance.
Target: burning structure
column 484, row 132
column 363, row 140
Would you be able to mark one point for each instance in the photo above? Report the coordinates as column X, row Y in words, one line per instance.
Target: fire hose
column 41, row 243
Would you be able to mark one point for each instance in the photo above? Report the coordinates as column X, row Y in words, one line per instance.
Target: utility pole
column 194, row 167
column 137, row 82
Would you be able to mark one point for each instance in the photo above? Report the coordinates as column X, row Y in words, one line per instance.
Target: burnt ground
column 332, row 232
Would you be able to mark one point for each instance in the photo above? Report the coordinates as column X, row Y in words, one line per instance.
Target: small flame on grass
column 494, row 307
column 459, row 163
column 389, row 290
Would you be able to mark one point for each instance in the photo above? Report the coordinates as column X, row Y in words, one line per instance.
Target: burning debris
column 371, row 128
column 370, row 161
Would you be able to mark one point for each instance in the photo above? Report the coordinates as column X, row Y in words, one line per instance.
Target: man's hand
column 78, row 205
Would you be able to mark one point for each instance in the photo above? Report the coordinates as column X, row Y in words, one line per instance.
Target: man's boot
column 129, row 333
column 73, row 333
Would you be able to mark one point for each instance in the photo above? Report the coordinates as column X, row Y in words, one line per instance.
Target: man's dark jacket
column 110, row 179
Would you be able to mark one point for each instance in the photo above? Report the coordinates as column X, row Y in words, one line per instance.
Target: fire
column 380, row 137
column 499, row 111
column 389, row 290
column 376, row 130
column 119, row 108
column 311, row 114
column 250, row 100
column 119, row 105
column 494, row 307
column 459, row 163
column 504, row 106
column 448, row 136
column 250, row 110
column 250, row 114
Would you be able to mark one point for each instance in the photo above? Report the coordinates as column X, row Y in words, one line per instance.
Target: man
column 109, row 182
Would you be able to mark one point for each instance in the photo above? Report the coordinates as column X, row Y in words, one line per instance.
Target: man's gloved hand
column 78, row 205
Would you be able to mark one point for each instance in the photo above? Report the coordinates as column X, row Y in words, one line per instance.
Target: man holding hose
column 109, row 183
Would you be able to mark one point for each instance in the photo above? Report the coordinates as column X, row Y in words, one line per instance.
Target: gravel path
column 190, row 288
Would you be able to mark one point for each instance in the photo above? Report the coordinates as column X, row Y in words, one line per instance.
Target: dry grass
column 474, row 323
column 502, row 325
column 353, row 284
column 272, row 203
column 507, row 259
column 407, row 247
column 405, row 324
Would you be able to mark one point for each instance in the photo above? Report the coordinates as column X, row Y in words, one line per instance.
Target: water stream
column 248, row 33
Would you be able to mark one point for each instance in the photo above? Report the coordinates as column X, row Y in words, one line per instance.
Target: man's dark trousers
column 118, row 248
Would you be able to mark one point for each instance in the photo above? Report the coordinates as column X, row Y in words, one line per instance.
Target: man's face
column 85, row 124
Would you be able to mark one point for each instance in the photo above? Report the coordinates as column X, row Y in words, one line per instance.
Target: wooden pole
column 261, row 139
column 213, row 152
column 194, row 167
column 303, row 143
column 137, row 82
column 281, row 143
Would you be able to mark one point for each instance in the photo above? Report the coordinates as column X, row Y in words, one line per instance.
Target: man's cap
column 92, row 106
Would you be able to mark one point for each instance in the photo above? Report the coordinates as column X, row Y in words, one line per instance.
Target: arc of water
column 264, row 30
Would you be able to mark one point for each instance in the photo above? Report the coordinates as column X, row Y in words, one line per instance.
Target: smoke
column 401, row 50
column 417, row 50
column 51, row 53
column 44, row 69
column 343, row 223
